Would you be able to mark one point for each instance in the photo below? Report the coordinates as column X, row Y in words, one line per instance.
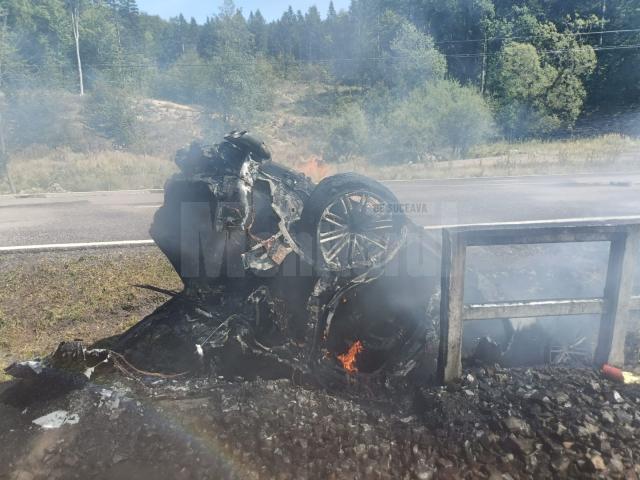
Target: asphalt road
column 127, row 215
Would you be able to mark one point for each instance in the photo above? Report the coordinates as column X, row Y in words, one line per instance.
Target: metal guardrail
column 614, row 307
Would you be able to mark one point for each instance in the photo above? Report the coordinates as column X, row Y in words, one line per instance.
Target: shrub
column 234, row 85
column 346, row 133
column 112, row 112
column 437, row 116
column 537, row 93
column 414, row 59
column 42, row 117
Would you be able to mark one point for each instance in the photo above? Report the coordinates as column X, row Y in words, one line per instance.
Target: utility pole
column 75, row 20
column 602, row 20
column 484, row 65
column 4, row 156
column 3, row 43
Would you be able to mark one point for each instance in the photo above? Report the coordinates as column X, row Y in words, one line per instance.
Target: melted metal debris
column 57, row 419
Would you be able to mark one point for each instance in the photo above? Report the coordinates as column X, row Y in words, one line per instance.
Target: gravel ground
column 494, row 423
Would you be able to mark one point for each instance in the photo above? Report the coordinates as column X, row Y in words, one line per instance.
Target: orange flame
column 348, row 359
column 315, row 168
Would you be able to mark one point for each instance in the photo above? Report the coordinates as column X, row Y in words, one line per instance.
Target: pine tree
column 313, row 38
column 331, row 14
column 258, row 28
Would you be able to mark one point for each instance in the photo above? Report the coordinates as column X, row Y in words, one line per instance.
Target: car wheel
column 354, row 222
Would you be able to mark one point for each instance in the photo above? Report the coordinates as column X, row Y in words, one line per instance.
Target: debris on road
column 57, row 419
column 519, row 423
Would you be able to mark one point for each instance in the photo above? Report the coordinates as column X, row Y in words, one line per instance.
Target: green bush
column 438, row 116
column 185, row 81
column 112, row 112
column 536, row 93
column 232, row 85
column 414, row 59
column 346, row 133
column 42, row 117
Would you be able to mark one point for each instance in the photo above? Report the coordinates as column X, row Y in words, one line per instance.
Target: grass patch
column 607, row 153
column 115, row 170
column 47, row 298
column 72, row 171
column 606, row 146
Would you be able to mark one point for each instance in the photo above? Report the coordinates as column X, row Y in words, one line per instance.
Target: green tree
column 537, row 80
column 258, row 27
column 313, row 39
column 99, row 47
column 441, row 115
column 414, row 59
column 284, row 36
column 615, row 84
column 457, row 24
column 176, row 39
column 43, row 38
column 346, row 133
column 12, row 71
column 111, row 111
column 331, row 12
column 234, row 86
column 231, row 31
column 539, row 86
column 241, row 87
column 185, row 81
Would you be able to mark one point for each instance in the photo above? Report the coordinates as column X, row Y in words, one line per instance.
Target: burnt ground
column 494, row 423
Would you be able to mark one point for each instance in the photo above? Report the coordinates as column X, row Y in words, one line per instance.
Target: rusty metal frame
column 614, row 306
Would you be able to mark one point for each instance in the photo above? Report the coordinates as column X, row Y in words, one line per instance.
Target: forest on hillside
column 408, row 78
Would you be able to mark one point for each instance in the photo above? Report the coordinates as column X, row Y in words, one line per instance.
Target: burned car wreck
column 330, row 284
column 284, row 277
column 289, row 285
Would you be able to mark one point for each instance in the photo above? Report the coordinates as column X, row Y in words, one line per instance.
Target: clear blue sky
column 200, row 9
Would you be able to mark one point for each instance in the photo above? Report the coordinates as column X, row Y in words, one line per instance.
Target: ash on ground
column 495, row 423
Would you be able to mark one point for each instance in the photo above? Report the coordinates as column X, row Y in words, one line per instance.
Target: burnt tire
column 354, row 223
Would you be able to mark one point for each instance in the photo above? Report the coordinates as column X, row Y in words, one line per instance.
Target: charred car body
column 285, row 278
column 318, row 264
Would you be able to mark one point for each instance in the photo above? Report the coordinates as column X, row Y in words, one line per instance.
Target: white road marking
column 511, row 184
column 511, row 177
column 74, row 246
column 138, row 243
column 88, row 192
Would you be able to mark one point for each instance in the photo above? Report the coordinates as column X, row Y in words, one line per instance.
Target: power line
column 516, row 37
column 142, row 66
column 596, row 49
column 456, row 55
column 509, row 37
